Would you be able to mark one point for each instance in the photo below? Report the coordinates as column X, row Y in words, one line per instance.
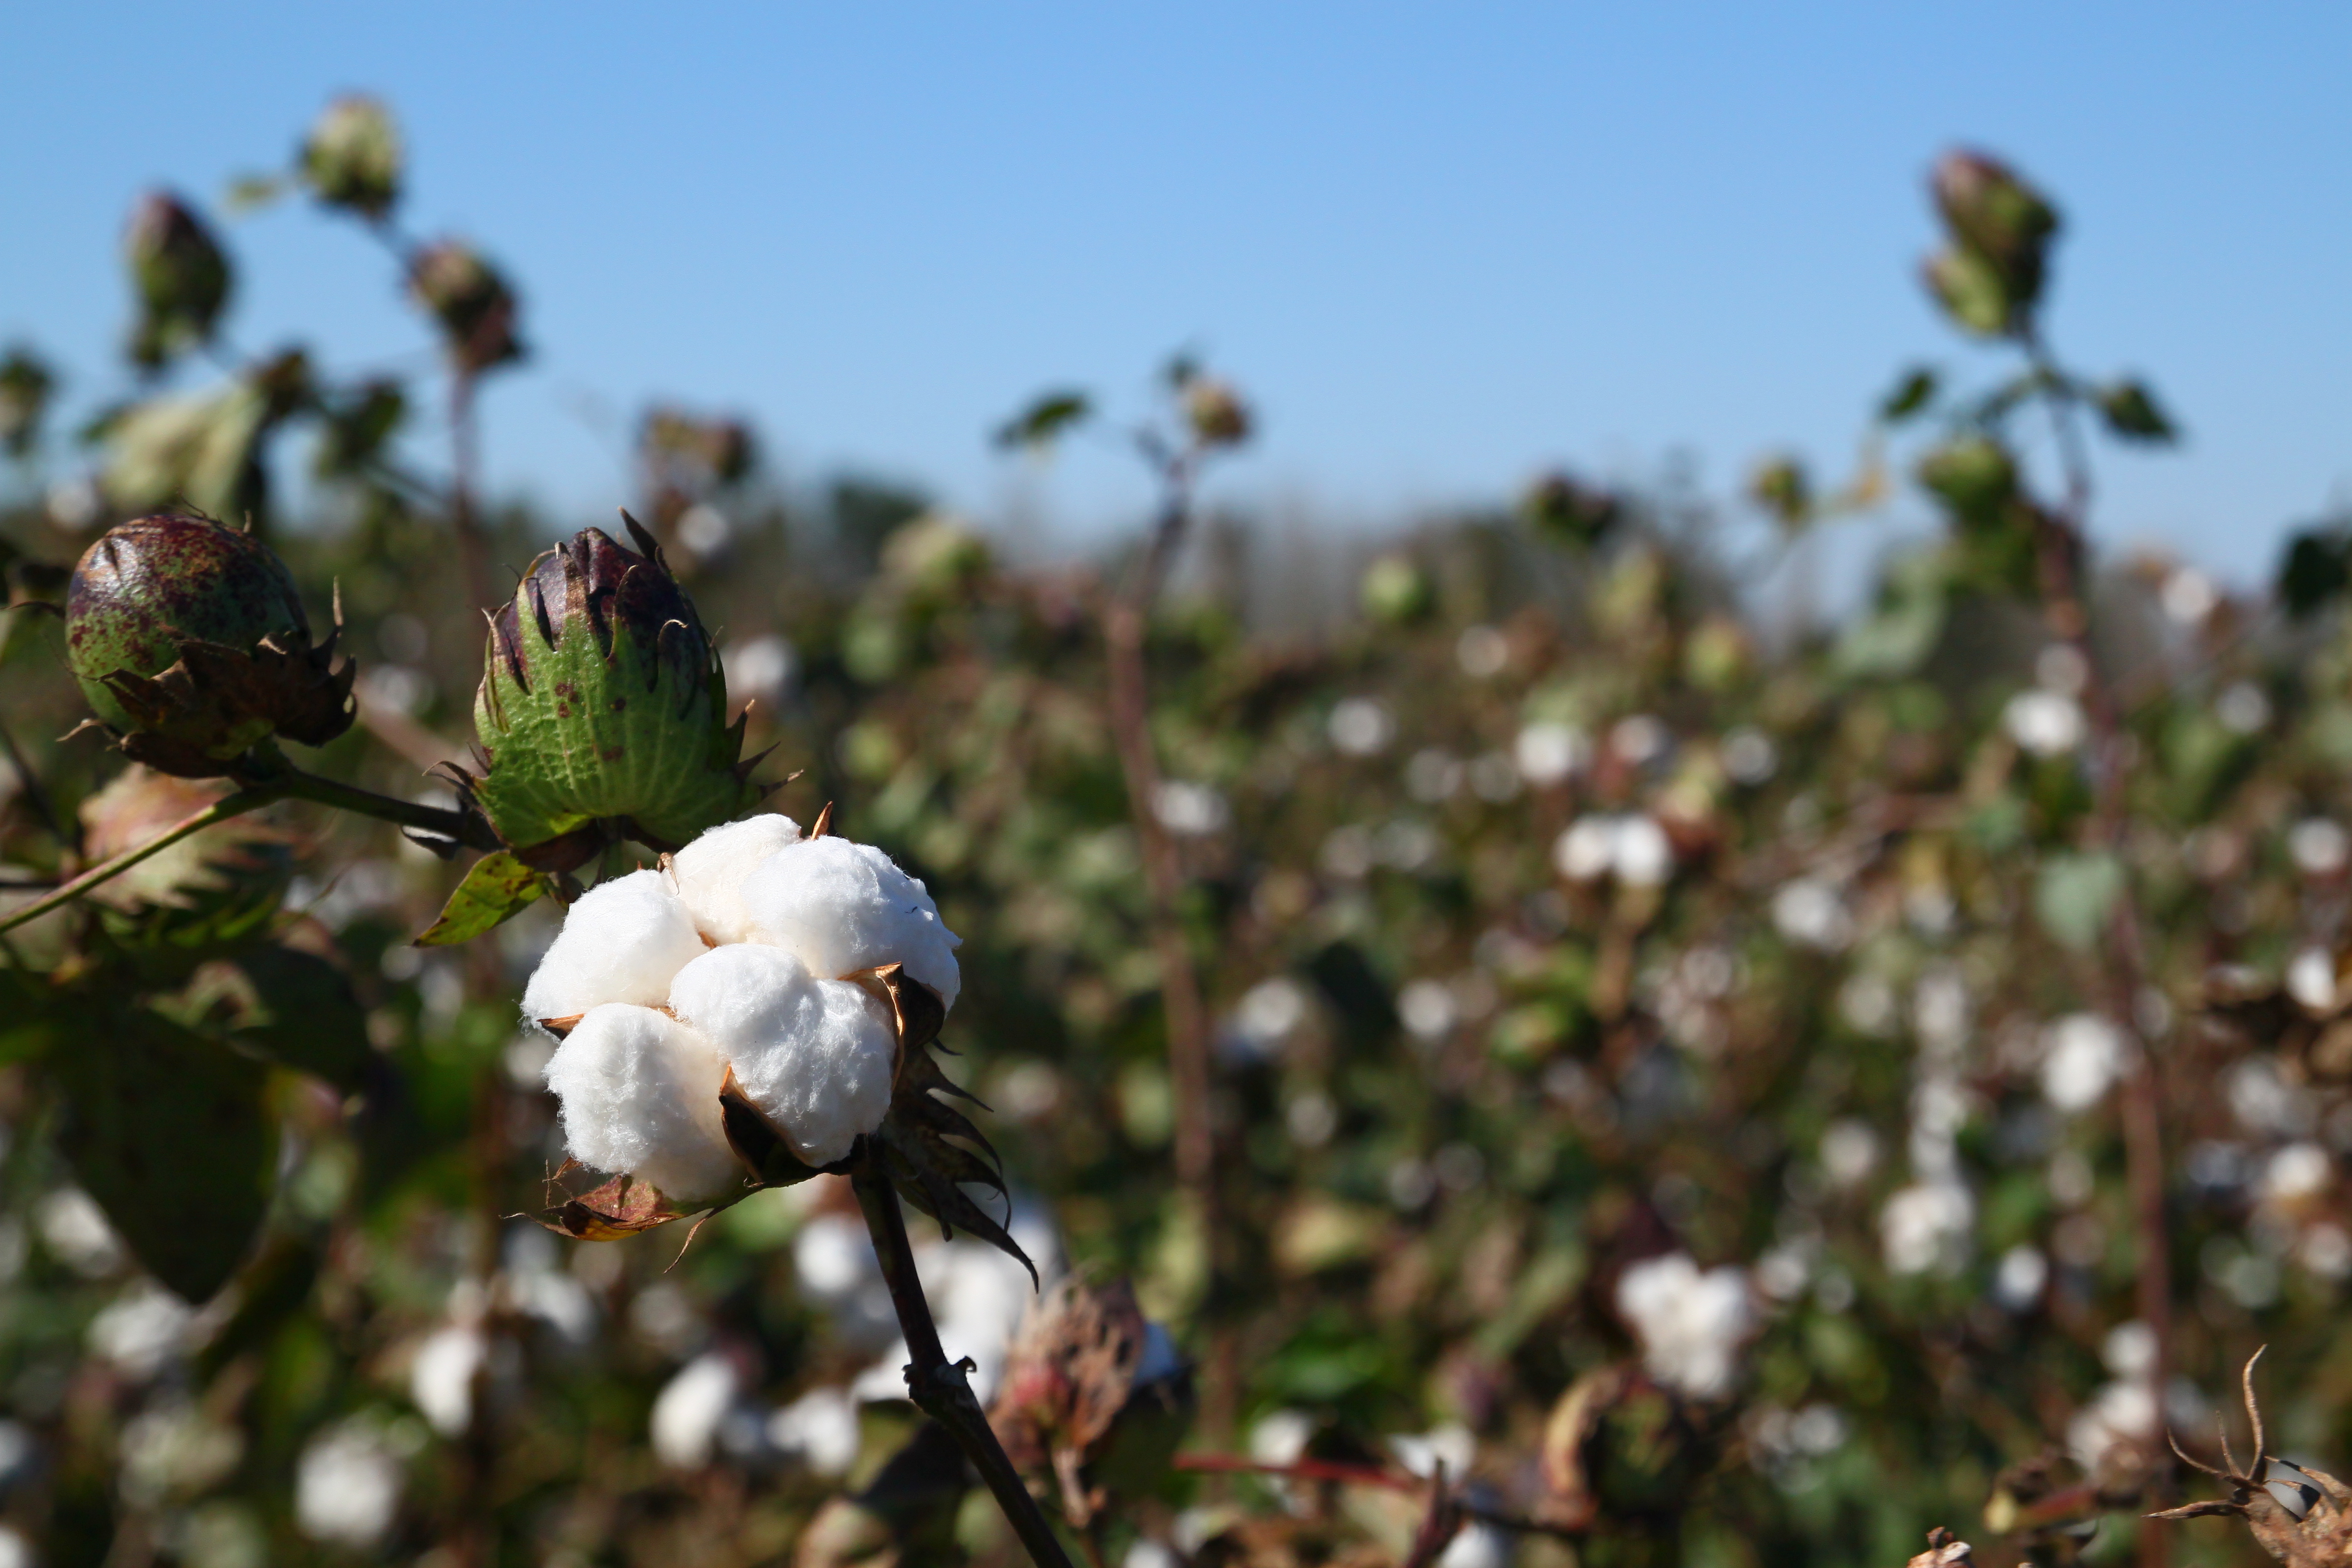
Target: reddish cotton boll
column 815, row 1056
column 709, row 873
column 639, row 1092
column 622, row 942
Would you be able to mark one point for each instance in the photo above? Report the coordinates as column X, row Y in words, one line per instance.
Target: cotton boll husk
column 622, row 942
column 710, row 871
column 815, row 1056
column 840, row 907
column 640, row 1095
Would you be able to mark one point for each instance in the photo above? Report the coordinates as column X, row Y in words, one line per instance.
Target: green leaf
column 1912, row 393
column 1045, row 419
column 497, row 890
column 294, row 1008
column 166, row 1130
column 2132, row 414
column 2316, row 570
column 251, row 192
column 2074, row 895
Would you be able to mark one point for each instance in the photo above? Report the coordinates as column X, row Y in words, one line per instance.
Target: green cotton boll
column 180, row 274
column 602, row 700
column 353, row 157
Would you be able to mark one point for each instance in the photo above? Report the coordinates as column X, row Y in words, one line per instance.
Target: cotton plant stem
column 221, row 810
column 941, row 1390
column 1127, row 622
column 470, row 831
column 2125, row 951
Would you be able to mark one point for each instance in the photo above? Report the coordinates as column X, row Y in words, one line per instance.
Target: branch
column 940, row 1390
column 2062, row 546
column 465, row 827
column 220, row 811
column 1127, row 620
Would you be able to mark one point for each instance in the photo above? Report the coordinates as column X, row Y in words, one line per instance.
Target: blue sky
column 1440, row 246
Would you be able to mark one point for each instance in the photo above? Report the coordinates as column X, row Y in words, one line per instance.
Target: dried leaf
column 622, row 1207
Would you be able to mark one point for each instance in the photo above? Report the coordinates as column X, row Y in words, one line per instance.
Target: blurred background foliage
column 1669, row 1066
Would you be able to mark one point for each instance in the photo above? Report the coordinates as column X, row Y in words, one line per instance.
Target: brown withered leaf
column 1942, row 1551
column 1620, row 1448
column 622, row 1207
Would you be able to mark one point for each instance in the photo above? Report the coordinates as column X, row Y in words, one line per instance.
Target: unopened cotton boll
column 709, row 873
column 640, row 1095
column 815, row 1056
column 840, row 907
column 622, row 942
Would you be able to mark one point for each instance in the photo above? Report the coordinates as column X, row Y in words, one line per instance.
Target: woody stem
column 941, row 1391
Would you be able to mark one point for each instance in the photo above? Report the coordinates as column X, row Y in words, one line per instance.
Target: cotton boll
column 621, row 943
column 640, row 1095
column 710, row 871
column 815, row 1056
column 688, row 1411
column 840, row 907
column 441, row 1379
column 347, row 1487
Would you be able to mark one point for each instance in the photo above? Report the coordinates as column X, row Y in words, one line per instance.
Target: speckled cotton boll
column 621, row 943
column 815, row 1056
column 640, row 1095
column 709, row 872
column 840, row 906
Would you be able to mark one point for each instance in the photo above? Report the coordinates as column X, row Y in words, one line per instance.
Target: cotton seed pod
column 1093, row 1395
column 353, row 156
column 189, row 641
column 179, row 273
column 471, row 302
column 602, row 701
column 1991, row 210
column 1215, row 412
column 1620, row 1449
column 1991, row 277
column 1975, row 475
column 1568, row 511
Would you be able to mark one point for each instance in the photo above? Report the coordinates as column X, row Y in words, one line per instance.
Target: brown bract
column 2299, row 1515
column 1069, row 1374
column 294, row 689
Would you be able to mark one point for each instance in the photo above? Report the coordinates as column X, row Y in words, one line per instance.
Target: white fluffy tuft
column 640, row 1095
column 710, row 871
column 840, row 907
column 622, row 942
column 814, row 1055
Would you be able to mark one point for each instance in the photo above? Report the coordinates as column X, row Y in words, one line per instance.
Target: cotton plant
column 755, row 1010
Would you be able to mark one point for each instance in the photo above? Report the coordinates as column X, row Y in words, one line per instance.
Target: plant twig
column 2062, row 542
column 941, row 1390
column 1127, row 621
column 296, row 785
column 221, row 810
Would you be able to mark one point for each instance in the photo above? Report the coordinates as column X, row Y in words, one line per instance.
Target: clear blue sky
column 1440, row 246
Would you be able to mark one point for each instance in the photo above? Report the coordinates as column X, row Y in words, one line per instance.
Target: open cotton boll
column 622, row 942
column 710, row 872
column 640, row 1095
column 840, row 906
column 815, row 1056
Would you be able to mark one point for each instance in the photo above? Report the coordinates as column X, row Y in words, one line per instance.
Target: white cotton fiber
column 815, row 1056
column 621, row 943
column 640, row 1094
column 709, row 872
column 840, row 906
